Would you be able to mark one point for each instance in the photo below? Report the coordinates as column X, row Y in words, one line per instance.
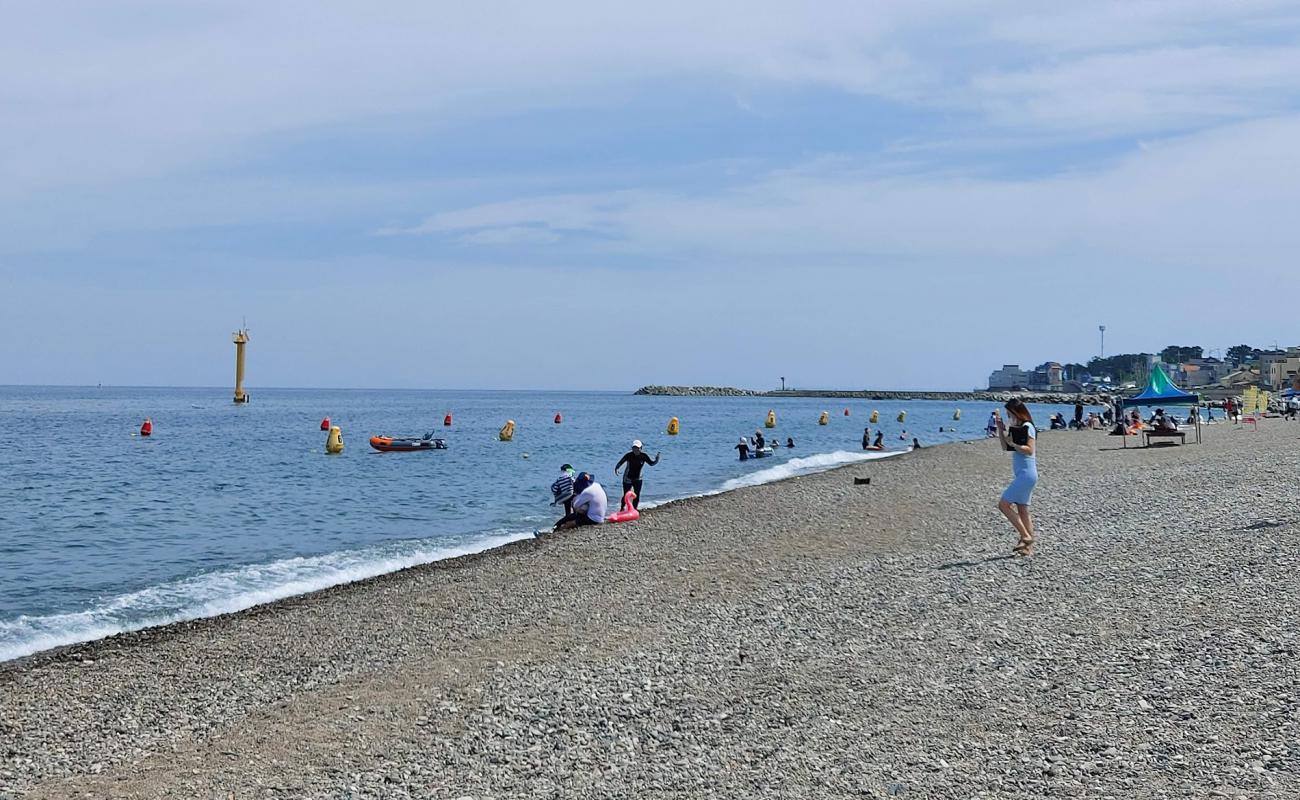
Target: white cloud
column 1211, row 199
column 111, row 93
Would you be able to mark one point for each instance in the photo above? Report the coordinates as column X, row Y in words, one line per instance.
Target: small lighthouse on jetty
column 240, row 338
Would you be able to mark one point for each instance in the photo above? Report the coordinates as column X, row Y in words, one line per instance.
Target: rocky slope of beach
column 811, row 638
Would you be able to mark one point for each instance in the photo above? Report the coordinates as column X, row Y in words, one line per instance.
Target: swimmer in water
column 789, row 442
column 866, row 438
column 879, row 444
column 743, row 447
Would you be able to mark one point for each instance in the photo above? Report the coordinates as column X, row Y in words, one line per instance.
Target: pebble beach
column 808, row 638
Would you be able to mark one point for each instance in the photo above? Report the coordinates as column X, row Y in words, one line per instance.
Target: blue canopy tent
column 1161, row 391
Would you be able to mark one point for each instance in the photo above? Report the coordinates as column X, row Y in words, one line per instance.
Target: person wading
column 634, row 460
column 1021, row 439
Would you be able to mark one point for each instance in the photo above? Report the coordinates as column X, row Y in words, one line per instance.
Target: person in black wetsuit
column 879, row 444
column 634, row 459
column 759, row 441
column 743, row 447
column 866, row 438
column 789, row 442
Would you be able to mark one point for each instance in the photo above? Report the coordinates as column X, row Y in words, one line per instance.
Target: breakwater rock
column 868, row 394
column 696, row 391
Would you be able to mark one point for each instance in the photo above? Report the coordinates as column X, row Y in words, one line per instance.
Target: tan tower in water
column 240, row 338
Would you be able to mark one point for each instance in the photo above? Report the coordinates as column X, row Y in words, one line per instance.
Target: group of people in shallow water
column 584, row 499
column 759, row 446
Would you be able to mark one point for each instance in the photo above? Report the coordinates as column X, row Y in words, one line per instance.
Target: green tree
column 1073, row 371
column 1241, row 352
column 1122, row 367
column 1177, row 354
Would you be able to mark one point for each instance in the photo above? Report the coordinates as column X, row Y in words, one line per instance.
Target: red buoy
column 446, row 421
column 846, row 412
column 147, row 428
column 325, row 424
column 558, row 419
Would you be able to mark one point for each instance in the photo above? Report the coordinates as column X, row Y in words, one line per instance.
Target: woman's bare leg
column 1028, row 523
column 1008, row 510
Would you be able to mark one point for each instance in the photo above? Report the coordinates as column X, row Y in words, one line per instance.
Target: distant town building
column 1200, row 372
column 1011, row 376
column 1050, row 377
column 1278, row 370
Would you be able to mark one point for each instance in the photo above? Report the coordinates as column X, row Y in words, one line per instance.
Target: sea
column 228, row 506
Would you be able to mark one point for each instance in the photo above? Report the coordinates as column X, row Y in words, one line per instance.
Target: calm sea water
column 228, row 506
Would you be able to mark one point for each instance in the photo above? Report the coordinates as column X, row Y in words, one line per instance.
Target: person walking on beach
column 562, row 489
column 634, row 459
column 1021, row 439
column 991, row 429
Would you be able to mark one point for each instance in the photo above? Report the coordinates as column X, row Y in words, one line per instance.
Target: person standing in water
column 866, row 438
column 634, row 459
column 743, row 447
column 1021, row 439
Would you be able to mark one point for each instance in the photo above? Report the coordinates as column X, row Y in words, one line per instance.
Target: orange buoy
column 558, row 419
column 325, row 424
column 446, row 421
column 147, row 428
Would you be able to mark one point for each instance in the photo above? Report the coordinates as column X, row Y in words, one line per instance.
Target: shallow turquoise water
column 226, row 506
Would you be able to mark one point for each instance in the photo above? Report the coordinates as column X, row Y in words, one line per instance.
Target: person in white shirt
column 590, row 504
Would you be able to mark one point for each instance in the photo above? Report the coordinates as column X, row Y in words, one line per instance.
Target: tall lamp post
column 783, row 383
column 1102, row 330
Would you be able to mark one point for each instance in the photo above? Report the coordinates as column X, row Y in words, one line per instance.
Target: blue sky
column 578, row 195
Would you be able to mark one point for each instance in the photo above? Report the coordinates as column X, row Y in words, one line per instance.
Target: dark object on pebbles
column 861, row 481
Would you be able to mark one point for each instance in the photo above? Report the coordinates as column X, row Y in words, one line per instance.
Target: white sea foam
column 804, row 466
column 223, row 592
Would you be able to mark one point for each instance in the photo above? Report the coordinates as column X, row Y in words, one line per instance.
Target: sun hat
column 636, row 442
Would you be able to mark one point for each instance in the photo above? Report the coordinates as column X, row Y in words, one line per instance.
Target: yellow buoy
column 507, row 432
column 771, row 419
column 824, row 419
column 956, row 414
column 334, row 444
column 673, row 426
column 902, row 415
column 875, row 416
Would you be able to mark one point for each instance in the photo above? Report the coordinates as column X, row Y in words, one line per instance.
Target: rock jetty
column 696, row 391
column 870, row 394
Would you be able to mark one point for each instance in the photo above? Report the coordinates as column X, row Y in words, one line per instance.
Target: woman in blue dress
column 1021, row 439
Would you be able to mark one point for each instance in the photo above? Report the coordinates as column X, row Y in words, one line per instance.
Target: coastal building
column 1049, row 377
column 1011, row 376
column 1200, row 372
column 1279, row 370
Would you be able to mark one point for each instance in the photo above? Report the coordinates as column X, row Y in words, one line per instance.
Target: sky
column 587, row 195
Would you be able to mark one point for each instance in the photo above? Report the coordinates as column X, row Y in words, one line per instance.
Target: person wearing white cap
column 635, row 460
column 743, row 447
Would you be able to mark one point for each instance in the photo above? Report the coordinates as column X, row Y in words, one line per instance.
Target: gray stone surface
column 810, row 638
